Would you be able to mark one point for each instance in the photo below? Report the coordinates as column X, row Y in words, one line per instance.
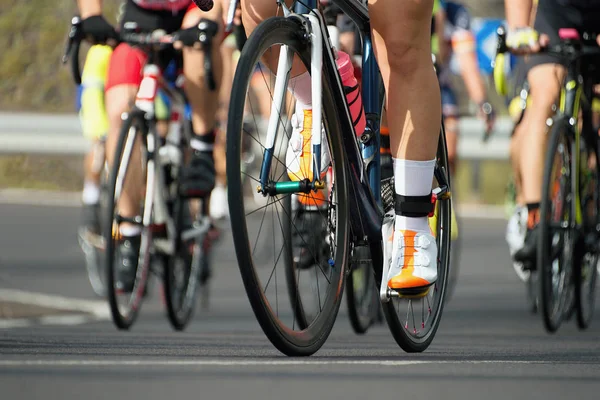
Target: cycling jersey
column 164, row 5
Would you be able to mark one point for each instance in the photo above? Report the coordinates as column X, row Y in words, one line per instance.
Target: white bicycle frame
column 281, row 82
column 155, row 202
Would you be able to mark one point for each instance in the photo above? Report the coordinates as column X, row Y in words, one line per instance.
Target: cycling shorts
column 127, row 62
column 553, row 15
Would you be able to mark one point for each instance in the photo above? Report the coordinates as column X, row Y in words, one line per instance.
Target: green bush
column 32, row 39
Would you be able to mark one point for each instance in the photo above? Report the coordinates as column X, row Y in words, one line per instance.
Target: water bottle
column 93, row 117
column 352, row 91
column 148, row 88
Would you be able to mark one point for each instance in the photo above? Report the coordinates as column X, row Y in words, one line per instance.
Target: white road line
column 16, row 323
column 31, row 197
column 242, row 363
column 99, row 309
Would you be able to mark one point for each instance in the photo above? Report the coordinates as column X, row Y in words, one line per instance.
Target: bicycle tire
column 362, row 317
column 181, row 304
column 553, row 310
column 406, row 341
column 134, row 124
column 279, row 30
column 587, row 254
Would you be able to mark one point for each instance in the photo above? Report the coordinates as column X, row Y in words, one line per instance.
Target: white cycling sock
column 413, row 178
column 300, row 87
column 91, row 193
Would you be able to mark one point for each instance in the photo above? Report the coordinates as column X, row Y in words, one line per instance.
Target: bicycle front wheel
column 556, row 234
column 295, row 297
column 127, row 184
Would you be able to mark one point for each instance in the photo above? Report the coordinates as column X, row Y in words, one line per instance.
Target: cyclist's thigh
column 256, row 11
column 125, row 66
column 124, row 77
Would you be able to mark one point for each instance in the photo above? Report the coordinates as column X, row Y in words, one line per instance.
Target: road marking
column 93, row 310
column 243, row 363
column 16, row 323
column 31, row 197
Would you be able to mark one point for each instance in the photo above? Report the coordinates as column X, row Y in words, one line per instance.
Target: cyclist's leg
column 94, row 126
column 218, row 198
column 199, row 177
column 414, row 114
column 124, row 78
column 545, row 77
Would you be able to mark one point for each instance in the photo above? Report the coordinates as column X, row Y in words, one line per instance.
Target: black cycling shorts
column 552, row 15
column 151, row 20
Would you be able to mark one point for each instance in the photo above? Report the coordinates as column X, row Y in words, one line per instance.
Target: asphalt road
column 488, row 346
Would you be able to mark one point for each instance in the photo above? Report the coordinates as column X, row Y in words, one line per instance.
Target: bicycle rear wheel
column 414, row 321
column 556, row 235
column 130, row 150
column 295, row 305
column 362, row 296
column 182, row 276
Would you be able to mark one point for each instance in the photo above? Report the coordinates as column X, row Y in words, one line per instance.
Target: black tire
column 93, row 247
column 587, row 254
column 554, row 304
column 532, row 292
column 407, row 337
column 362, row 295
column 286, row 339
column 125, row 316
column 183, row 269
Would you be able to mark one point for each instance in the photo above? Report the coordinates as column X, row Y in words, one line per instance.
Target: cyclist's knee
column 256, row 11
column 544, row 81
column 118, row 100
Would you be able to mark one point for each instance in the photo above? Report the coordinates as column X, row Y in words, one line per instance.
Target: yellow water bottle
column 93, row 117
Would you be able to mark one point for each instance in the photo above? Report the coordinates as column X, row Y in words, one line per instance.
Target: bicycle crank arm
column 387, row 231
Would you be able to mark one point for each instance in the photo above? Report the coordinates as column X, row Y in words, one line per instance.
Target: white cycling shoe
column 298, row 159
column 516, row 230
column 413, row 267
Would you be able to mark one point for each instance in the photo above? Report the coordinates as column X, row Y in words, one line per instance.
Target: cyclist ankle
column 533, row 215
column 204, row 143
column 412, row 179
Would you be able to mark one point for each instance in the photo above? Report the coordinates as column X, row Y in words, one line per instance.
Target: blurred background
column 33, row 81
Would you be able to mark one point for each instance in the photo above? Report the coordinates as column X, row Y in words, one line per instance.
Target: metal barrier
column 61, row 134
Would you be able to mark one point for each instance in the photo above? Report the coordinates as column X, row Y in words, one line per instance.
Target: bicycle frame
column 363, row 160
column 155, row 202
column 573, row 100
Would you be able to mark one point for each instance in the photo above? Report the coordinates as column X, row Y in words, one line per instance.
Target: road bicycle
column 353, row 207
column 175, row 231
column 568, row 249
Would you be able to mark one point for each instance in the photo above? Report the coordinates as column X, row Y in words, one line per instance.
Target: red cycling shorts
column 127, row 62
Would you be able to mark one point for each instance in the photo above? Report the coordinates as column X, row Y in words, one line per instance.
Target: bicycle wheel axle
column 303, row 186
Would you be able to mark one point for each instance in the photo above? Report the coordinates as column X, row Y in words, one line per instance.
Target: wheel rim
column 557, row 239
column 298, row 298
column 125, row 305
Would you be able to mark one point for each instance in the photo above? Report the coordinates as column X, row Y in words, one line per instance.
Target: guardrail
column 61, row 134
